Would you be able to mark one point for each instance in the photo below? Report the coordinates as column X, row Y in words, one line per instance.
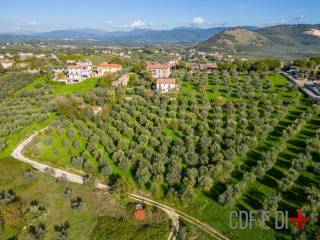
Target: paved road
column 301, row 85
column 71, row 177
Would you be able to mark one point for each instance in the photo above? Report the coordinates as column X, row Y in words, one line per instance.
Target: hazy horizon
column 126, row 15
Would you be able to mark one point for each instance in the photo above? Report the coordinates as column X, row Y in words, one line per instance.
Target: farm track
column 174, row 214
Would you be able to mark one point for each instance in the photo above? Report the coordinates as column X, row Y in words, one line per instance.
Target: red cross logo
column 300, row 220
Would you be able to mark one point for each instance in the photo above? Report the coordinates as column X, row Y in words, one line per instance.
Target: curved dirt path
column 71, row 177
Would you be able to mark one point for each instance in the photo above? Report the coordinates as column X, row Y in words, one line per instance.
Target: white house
column 6, row 63
column 24, row 56
column 166, row 84
column 104, row 68
column 79, row 71
column 39, row 56
column 122, row 81
column 159, row 70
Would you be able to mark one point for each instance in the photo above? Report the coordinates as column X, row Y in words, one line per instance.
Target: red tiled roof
column 109, row 65
column 95, row 108
column 140, row 214
column 166, row 81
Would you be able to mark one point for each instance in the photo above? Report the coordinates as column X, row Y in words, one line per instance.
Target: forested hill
column 276, row 41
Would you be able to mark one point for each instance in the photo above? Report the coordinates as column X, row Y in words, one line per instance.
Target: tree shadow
column 268, row 181
column 216, row 191
column 254, row 198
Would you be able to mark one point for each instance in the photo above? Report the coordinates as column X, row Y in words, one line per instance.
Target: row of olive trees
column 269, row 159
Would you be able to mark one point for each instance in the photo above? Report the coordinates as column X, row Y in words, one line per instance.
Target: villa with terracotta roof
column 159, row 70
column 166, row 84
column 104, row 68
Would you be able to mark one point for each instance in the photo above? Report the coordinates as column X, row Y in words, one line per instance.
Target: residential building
column 39, row 56
column 159, row 70
column 5, row 63
column 94, row 109
column 24, row 56
column 209, row 67
column 194, row 66
column 166, row 84
column 122, row 81
column 79, row 71
column 23, row 65
column 104, row 68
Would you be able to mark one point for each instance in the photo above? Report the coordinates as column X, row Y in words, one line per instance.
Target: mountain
column 176, row 35
column 291, row 34
column 182, row 34
column 136, row 36
column 233, row 41
column 275, row 41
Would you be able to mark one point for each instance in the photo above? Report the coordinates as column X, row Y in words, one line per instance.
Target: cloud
column 27, row 24
column 198, row 21
column 138, row 24
column 108, row 22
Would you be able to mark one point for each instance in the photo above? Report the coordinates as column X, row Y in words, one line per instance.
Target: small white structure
column 39, row 56
column 159, row 70
column 122, row 81
column 166, row 84
column 173, row 63
column 79, row 71
column 54, row 56
column 95, row 109
column 6, row 63
column 24, row 56
column 104, row 68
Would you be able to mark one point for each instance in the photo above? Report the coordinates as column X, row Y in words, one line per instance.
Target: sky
column 111, row 15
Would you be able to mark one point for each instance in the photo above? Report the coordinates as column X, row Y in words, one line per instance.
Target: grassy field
column 99, row 213
column 51, row 195
column 95, row 59
column 81, row 87
column 130, row 229
column 59, row 87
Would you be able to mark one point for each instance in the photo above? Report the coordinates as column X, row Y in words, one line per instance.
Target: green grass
column 60, row 87
column 85, row 86
column 108, row 228
column 95, row 59
column 14, row 139
column 50, row 194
